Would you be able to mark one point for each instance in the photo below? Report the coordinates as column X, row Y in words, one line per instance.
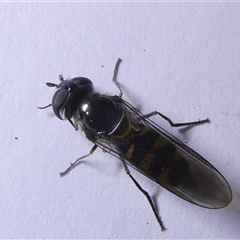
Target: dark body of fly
column 111, row 122
column 120, row 129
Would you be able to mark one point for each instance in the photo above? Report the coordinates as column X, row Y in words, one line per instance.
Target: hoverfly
column 118, row 128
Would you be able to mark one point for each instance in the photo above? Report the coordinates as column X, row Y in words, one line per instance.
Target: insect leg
column 73, row 165
column 146, row 195
column 175, row 124
column 115, row 76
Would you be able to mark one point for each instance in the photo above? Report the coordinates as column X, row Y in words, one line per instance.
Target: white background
column 182, row 59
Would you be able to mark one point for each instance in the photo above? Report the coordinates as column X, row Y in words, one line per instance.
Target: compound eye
column 58, row 102
column 81, row 81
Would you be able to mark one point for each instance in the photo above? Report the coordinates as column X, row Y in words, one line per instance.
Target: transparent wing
column 176, row 167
